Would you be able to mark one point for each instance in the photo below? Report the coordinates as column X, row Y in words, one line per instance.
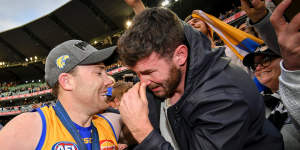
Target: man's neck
column 76, row 114
column 179, row 90
column 175, row 98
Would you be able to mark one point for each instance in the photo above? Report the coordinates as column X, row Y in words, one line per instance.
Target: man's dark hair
column 54, row 89
column 154, row 30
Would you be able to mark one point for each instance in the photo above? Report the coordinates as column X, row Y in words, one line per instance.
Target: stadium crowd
column 235, row 87
column 12, row 88
column 25, row 108
column 231, row 12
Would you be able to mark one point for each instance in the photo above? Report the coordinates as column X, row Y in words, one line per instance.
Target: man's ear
column 180, row 55
column 65, row 81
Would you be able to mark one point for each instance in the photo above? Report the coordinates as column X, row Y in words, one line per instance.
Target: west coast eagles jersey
column 56, row 137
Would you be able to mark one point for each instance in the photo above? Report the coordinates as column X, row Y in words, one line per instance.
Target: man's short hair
column 154, row 30
column 54, row 89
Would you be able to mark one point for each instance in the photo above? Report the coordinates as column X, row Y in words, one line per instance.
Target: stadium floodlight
column 128, row 23
column 165, row 3
column 26, row 59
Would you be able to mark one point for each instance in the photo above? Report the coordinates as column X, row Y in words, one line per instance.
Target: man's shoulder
column 24, row 119
column 26, row 127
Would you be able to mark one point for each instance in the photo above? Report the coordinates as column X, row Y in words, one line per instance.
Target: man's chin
column 160, row 94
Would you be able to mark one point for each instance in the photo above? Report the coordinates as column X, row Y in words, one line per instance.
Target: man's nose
column 259, row 67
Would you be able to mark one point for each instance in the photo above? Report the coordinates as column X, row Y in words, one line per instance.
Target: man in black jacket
column 195, row 98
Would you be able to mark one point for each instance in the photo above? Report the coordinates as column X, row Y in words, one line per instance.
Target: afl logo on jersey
column 65, row 146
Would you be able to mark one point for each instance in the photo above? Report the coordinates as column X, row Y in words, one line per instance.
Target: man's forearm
column 267, row 33
column 138, row 8
column 290, row 92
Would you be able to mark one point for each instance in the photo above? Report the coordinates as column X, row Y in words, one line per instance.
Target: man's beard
column 169, row 85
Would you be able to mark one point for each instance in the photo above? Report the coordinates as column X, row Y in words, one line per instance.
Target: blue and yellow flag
column 238, row 41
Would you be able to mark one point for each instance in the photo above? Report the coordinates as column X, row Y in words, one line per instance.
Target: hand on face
column 134, row 111
column 257, row 12
column 122, row 146
column 136, row 5
column 288, row 36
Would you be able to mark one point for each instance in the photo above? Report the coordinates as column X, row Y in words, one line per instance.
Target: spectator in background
column 119, row 89
column 76, row 73
column 288, row 37
column 189, row 98
column 221, row 16
column 244, row 27
column 270, row 5
column 266, row 66
column 201, row 26
column 259, row 18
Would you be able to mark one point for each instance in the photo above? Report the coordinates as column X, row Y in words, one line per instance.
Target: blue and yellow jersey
column 56, row 137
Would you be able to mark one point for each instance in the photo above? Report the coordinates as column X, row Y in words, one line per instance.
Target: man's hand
column 288, row 36
column 133, row 3
column 255, row 13
column 134, row 112
column 122, row 146
column 136, row 5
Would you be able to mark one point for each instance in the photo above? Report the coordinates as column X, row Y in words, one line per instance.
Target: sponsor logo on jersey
column 107, row 145
column 65, row 146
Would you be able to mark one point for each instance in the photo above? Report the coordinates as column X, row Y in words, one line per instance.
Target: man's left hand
column 288, row 36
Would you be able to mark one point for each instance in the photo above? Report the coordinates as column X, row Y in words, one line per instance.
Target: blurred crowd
column 25, row 108
column 231, row 12
column 12, row 88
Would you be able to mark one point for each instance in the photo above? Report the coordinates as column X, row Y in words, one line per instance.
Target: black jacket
column 220, row 108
